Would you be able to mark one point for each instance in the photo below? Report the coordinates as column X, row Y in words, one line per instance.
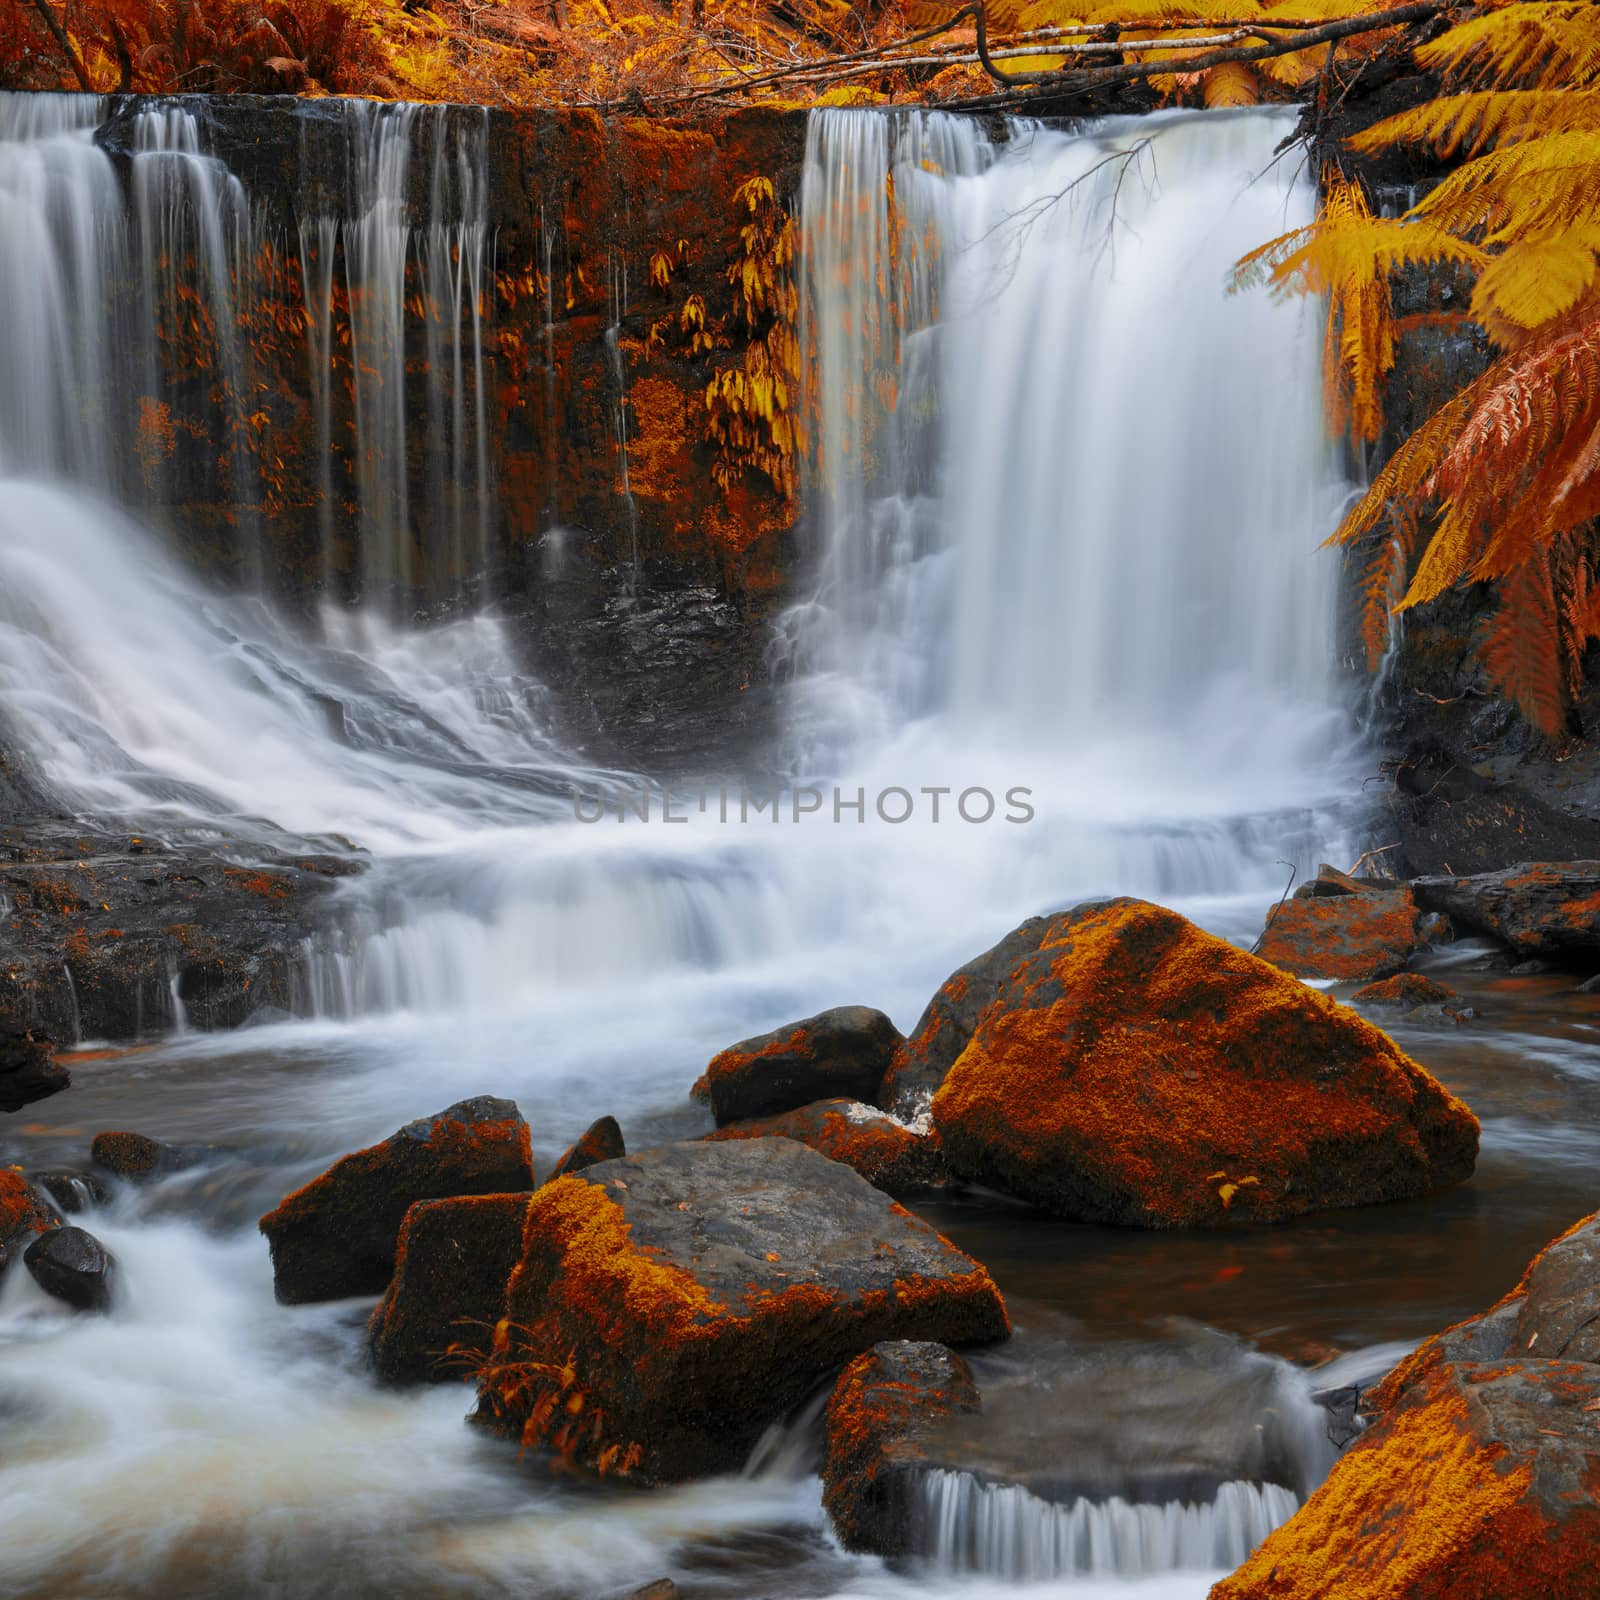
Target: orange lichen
column 1136, row 1055
column 1351, row 937
column 727, row 1063
column 21, row 1209
column 1404, row 989
column 268, row 885
column 1425, row 1507
column 885, row 1152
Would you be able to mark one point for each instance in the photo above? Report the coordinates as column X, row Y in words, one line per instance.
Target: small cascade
column 1002, row 1531
column 319, row 239
column 618, row 273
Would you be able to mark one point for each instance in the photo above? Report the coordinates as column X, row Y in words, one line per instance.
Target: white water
column 1075, row 555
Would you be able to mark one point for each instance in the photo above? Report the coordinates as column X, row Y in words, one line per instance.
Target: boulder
column 1406, row 990
column 28, row 1072
column 842, row 1052
column 1136, row 1070
column 71, row 1191
column 899, row 1160
column 74, row 1266
column 669, row 1306
column 879, row 1417
column 137, row 1158
column 436, row 1321
column 337, row 1236
column 1538, row 908
column 602, row 1142
column 1482, row 1481
column 945, row 1026
column 1347, row 937
column 24, row 1212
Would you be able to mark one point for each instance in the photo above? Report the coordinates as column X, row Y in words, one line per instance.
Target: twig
column 1293, row 872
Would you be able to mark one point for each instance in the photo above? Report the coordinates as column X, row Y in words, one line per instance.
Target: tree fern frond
column 1475, row 122
column 1534, row 282
column 1522, row 654
column 1534, row 43
column 1234, row 83
column 1520, row 190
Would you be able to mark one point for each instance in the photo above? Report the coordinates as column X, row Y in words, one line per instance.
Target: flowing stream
column 1063, row 502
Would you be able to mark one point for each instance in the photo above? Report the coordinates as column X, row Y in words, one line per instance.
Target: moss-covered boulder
column 1352, row 938
column 337, row 1236
column 900, row 1160
column 1137, row 1070
column 602, row 1141
column 669, row 1306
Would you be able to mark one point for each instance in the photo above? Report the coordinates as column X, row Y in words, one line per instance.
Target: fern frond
column 1522, row 654
column 1519, row 191
column 1534, row 43
column 1475, row 122
column 1234, row 83
column 1534, row 282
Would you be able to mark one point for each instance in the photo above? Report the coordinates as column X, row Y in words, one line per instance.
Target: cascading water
column 1037, row 567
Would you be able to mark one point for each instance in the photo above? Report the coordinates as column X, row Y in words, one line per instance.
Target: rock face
column 839, row 1053
column 601, row 1142
column 945, row 1027
column 27, row 1071
column 338, row 1235
column 1538, row 908
column 1351, row 937
column 74, row 1266
column 667, row 1307
column 887, row 1153
column 879, row 1416
column 1136, row 1070
column 23, row 1213
column 452, row 1261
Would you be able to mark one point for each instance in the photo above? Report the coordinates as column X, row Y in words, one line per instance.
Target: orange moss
column 268, row 885
column 1145, row 1067
column 1404, row 989
column 21, row 1209
column 1351, row 937
column 733, row 1060
column 1422, row 1507
column 885, row 1152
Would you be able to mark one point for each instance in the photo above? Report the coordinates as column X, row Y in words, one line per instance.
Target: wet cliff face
column 539, row 431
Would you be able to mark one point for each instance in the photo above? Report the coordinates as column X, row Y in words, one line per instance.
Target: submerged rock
column 945, row 1027
column 337, row 1236
column 1348, row 937
column 28, row 1072
column 899, row 1160
column 74, row 1266
column 71, row 1191
column 1540, row 909
column 878, row 1420
column 669, row 1306
column 601, row 1142
column 137, row 1158
column 839, row 1053
column 1407, row 990
column 1136, row 1070
column 453, row 1258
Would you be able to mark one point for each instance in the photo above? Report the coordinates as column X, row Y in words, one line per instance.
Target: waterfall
column 1003, row 1531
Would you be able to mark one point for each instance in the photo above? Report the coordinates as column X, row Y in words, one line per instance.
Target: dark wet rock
column 102, row 937
column 1481, row 1480
column 28, row 1072
column 697, row 1292
column 1354, row 937
column 137, row 1158
column 879, row 1417
column 1531, row 969
column 24, row 1212
column 602, row 1141
column 337, row 1236
column 436, row 1321
column 74, row 1266
column 1406, row 991
column 70, row 1191
column 945, row 1026
column 1545, row 910
column 842, row 1053
column 1330, row 882
column 1136, row 1070
column 901, row 1161
column 661, row 1589
column 1590, row 985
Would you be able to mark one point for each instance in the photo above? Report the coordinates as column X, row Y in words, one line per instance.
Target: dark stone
column 1590, row 985
column 137, row 1158
column 601, row 1142
column 698, row 1292
column 1559, row 1317
column 74, row 1266
column 899, row 1160
column 837, row 1054
column 71, row 1191
column 28, row 1072
column 880, row 1415
column 945, row 1027
column 661, row 1589
column 1531, row 969
column 24, row 1212
column 337, row 1236
column 1543, row 910
column 436, row 1321
column 1138, row 1071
